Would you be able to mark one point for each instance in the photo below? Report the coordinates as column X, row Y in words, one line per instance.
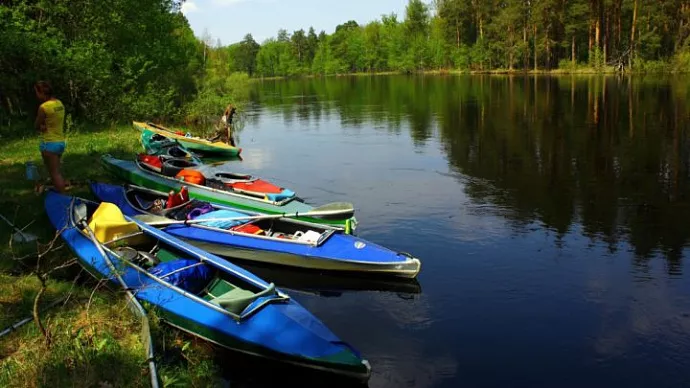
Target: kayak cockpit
column 227, row 220
column 168, row 264
column 185, row 169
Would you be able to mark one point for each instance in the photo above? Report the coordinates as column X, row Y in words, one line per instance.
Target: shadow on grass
column 110, row 353
column 88, row 349
column 23, row 207
column 104, row 368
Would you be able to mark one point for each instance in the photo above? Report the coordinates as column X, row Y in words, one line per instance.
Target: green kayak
column 334, row 214
column 149, row 131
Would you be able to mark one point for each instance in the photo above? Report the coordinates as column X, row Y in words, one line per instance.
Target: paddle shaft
column 137, row 306
column 248, row 218
column 162, row 128
column 21, row 232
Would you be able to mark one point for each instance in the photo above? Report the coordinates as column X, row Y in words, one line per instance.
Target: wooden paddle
column 162, row 128
column 346, row 209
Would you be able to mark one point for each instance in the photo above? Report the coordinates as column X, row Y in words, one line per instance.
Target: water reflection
column 610, row 154
column 331, row 284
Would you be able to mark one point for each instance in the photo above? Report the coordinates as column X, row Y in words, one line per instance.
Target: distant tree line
column 644, row 35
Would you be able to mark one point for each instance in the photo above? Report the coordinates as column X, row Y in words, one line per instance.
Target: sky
column 231, row 20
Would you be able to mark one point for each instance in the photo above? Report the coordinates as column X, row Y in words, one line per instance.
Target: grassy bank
column 94, row 337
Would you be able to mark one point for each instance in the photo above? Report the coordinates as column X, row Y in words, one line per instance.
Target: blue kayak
column 199, row 293
column 260, row 238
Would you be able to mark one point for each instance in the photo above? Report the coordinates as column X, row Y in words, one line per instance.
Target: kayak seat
column 216, row 288
column 108, row 223
column 237, row 299
column 165, row 255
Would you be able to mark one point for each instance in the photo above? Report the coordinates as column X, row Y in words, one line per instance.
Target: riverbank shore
column 92, row 338
column 657, row 69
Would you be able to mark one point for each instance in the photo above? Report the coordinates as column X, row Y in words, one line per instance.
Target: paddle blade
column 22, row 237
column 81, row 212
column 335, row 210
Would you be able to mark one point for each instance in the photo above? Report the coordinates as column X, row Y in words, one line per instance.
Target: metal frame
column 324, row 236
column 279, row 297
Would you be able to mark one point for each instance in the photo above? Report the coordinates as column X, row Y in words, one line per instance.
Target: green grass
column 94, row 343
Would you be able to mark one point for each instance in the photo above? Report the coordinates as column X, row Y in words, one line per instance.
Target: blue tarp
column 222, row 214
column 193, row 277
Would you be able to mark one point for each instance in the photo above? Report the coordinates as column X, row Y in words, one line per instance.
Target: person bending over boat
column 225, row 126
column 50, row 120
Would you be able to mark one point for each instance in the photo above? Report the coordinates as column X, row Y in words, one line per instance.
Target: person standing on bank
column 50, row 121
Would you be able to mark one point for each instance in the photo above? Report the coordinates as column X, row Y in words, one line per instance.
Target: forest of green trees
column 645, row 35
column 113, row 60
column 139, row 58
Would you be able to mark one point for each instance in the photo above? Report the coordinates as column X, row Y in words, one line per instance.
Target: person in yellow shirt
column 50, row 121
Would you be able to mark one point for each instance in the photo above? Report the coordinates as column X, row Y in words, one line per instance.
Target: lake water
column 550, row 214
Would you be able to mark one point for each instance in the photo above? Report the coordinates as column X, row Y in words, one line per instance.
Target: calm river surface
column 551, row 216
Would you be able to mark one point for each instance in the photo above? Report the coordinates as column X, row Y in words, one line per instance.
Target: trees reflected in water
column 610, row 154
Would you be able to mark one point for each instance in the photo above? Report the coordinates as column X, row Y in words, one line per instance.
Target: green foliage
column 483, row 35
column 567, row 65
column 416, row 18
column 105, row 60
column 681, row 61
column 217, row 90
column 243, row 55
column 651, row 66
column 596, row 58
column 277, row 58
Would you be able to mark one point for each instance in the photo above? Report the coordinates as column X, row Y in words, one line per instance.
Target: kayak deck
column 253, row 237
column 192, row 143
column 131, row 172
column 229, row 306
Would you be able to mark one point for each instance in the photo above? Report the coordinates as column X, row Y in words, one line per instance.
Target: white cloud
column 188, row 7
column 226, row 2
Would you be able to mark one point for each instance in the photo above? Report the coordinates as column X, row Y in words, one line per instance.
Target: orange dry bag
column 191, row 176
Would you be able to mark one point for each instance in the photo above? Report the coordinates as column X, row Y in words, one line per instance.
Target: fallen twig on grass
column 26, row 320
column 41, row 251
column 43, row 278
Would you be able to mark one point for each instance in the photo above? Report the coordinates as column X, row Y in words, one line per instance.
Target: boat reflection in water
column 327, row 284
column 237, row 370
column 241, row 371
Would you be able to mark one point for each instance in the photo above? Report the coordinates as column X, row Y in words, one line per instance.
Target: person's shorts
column 55, row 147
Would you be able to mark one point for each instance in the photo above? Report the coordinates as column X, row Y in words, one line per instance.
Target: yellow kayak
column 192, row 143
